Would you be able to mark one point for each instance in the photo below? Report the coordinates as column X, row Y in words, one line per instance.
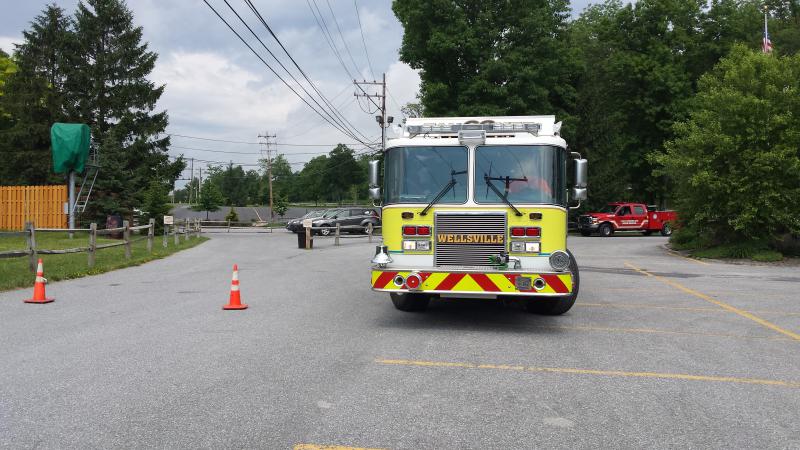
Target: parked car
column 351, row 220
column 296, row 225
column 627, row 217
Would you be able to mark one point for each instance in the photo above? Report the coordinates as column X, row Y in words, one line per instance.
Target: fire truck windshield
column 523, row 173
column 418, row 174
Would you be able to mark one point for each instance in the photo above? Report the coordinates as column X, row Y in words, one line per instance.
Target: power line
column 273, row 70
column 364, row 41
column 341, row 36
column 334, row 117
column 302, row 72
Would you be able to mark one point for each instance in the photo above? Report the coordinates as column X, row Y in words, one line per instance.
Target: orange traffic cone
column 38, row 288
column 236, row 300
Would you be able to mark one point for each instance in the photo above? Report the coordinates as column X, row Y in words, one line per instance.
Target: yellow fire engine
column 477, row 207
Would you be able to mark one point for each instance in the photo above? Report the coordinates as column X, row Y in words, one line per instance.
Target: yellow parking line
column 678, row 308
column 328, row 447
column 719, row 303
column 609, row 373
column 657, row 331
column 674, row 253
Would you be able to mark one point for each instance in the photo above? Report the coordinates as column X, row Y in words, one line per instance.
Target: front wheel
column 666, row 230
column 410, row 302
column 559, row 305
column 606, row 230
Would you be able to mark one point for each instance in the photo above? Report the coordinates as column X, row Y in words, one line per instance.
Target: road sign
column 169, row 220
column 308, row 223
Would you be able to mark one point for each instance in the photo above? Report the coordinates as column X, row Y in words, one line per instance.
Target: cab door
column 624, row 218
column 640, row 216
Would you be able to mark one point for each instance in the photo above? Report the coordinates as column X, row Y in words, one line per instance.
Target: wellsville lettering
column 470, row 238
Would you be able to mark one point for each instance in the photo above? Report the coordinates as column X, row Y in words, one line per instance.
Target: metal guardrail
column 33, row 251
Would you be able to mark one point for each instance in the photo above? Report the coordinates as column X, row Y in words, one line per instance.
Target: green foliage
column 156, row 204
column 755, row 250
column 91, row 69
column 735, row 160
column 281, row 205
column 210, row 198
column 489, row 58
column 232, row 216
column 341, row 172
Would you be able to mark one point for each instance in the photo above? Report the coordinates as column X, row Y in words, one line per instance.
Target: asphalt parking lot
column 660, row 351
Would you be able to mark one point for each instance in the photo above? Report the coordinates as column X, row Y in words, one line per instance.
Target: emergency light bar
column 433, row 128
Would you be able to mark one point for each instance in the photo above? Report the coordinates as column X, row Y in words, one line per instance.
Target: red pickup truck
column 621, row 216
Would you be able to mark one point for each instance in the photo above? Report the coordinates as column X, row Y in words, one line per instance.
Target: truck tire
column 559, row 305
column 666, row 229
column 586, row 233
column 606, row 230
column 410, row 302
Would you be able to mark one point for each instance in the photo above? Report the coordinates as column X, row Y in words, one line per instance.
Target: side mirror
column 579, row 194
column 374, row 190
column 373, row 173
column 581, row 173
column 375, row 193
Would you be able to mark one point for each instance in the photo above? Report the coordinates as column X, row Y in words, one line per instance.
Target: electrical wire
column 336, row 118
column 302, row 72
column 364, row 41
column 341, row 36
column 273, row 70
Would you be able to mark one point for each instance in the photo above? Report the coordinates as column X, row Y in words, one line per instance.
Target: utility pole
column 199, row 183
column 382, row 119
column 191, row 180
column 267, row 145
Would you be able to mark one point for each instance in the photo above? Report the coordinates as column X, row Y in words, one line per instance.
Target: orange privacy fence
column 42, row 205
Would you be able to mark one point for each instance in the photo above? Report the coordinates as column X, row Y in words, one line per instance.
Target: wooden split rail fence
column 369, row 231
column 33, row 252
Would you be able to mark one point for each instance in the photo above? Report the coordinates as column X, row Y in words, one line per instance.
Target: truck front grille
column 468, row 226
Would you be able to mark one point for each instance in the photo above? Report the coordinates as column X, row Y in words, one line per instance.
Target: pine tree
column 34, row 98
column 111, row 93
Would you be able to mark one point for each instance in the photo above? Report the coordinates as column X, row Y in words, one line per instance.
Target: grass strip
column 14, row 272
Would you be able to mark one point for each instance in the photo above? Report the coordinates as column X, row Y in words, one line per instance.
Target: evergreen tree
column 210, row 198
column 155, row 204
column 35, row 97
column 111, row 93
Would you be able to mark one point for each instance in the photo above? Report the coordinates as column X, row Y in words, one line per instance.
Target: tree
column 735, row 161
column 111, row 92
column 7, row 68
column 210, row 198
column 341, row 171
column 281, row 205
column 489, row 58
column 34, row 98
column 155, row 204
column 310, row 179
column 232, row 216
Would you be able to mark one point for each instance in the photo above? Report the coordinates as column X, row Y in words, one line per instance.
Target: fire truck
column 477, row 207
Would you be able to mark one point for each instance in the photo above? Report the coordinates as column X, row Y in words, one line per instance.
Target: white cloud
column 206, row 90
column 403, row 83
column 7, row 43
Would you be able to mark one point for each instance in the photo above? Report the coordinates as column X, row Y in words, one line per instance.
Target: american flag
column 766, row 44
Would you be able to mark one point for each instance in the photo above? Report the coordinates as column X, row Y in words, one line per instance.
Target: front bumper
column 588, row 226
column 490, row 283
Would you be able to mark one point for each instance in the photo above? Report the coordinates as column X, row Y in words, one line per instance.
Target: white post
column 71, row 201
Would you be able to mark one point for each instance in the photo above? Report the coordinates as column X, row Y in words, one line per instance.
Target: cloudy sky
column 217, row 89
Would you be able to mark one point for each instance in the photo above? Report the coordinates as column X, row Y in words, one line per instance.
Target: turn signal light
column 518, row 231
column 424, row 231
column 410, row 231
column 533, row 232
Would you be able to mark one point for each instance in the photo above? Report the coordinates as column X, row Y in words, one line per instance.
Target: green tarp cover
column 70, row 143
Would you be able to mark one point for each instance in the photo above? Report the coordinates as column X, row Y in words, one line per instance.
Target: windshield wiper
column 503, row 197
column 444, row 190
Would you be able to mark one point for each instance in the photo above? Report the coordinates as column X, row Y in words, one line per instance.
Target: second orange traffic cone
column 39, row 295
column 236, row 299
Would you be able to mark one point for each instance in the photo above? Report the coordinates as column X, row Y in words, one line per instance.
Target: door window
column 638, row 210
column 624, row 211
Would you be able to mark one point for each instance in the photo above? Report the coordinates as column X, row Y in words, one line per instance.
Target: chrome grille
column 457, row 254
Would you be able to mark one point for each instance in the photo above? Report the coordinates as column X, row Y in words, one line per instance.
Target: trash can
column 114, row 221
column 301, row 240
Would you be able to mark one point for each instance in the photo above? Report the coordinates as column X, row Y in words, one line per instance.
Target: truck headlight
column 419, row 246
column 532, row 247
column 559, row 260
